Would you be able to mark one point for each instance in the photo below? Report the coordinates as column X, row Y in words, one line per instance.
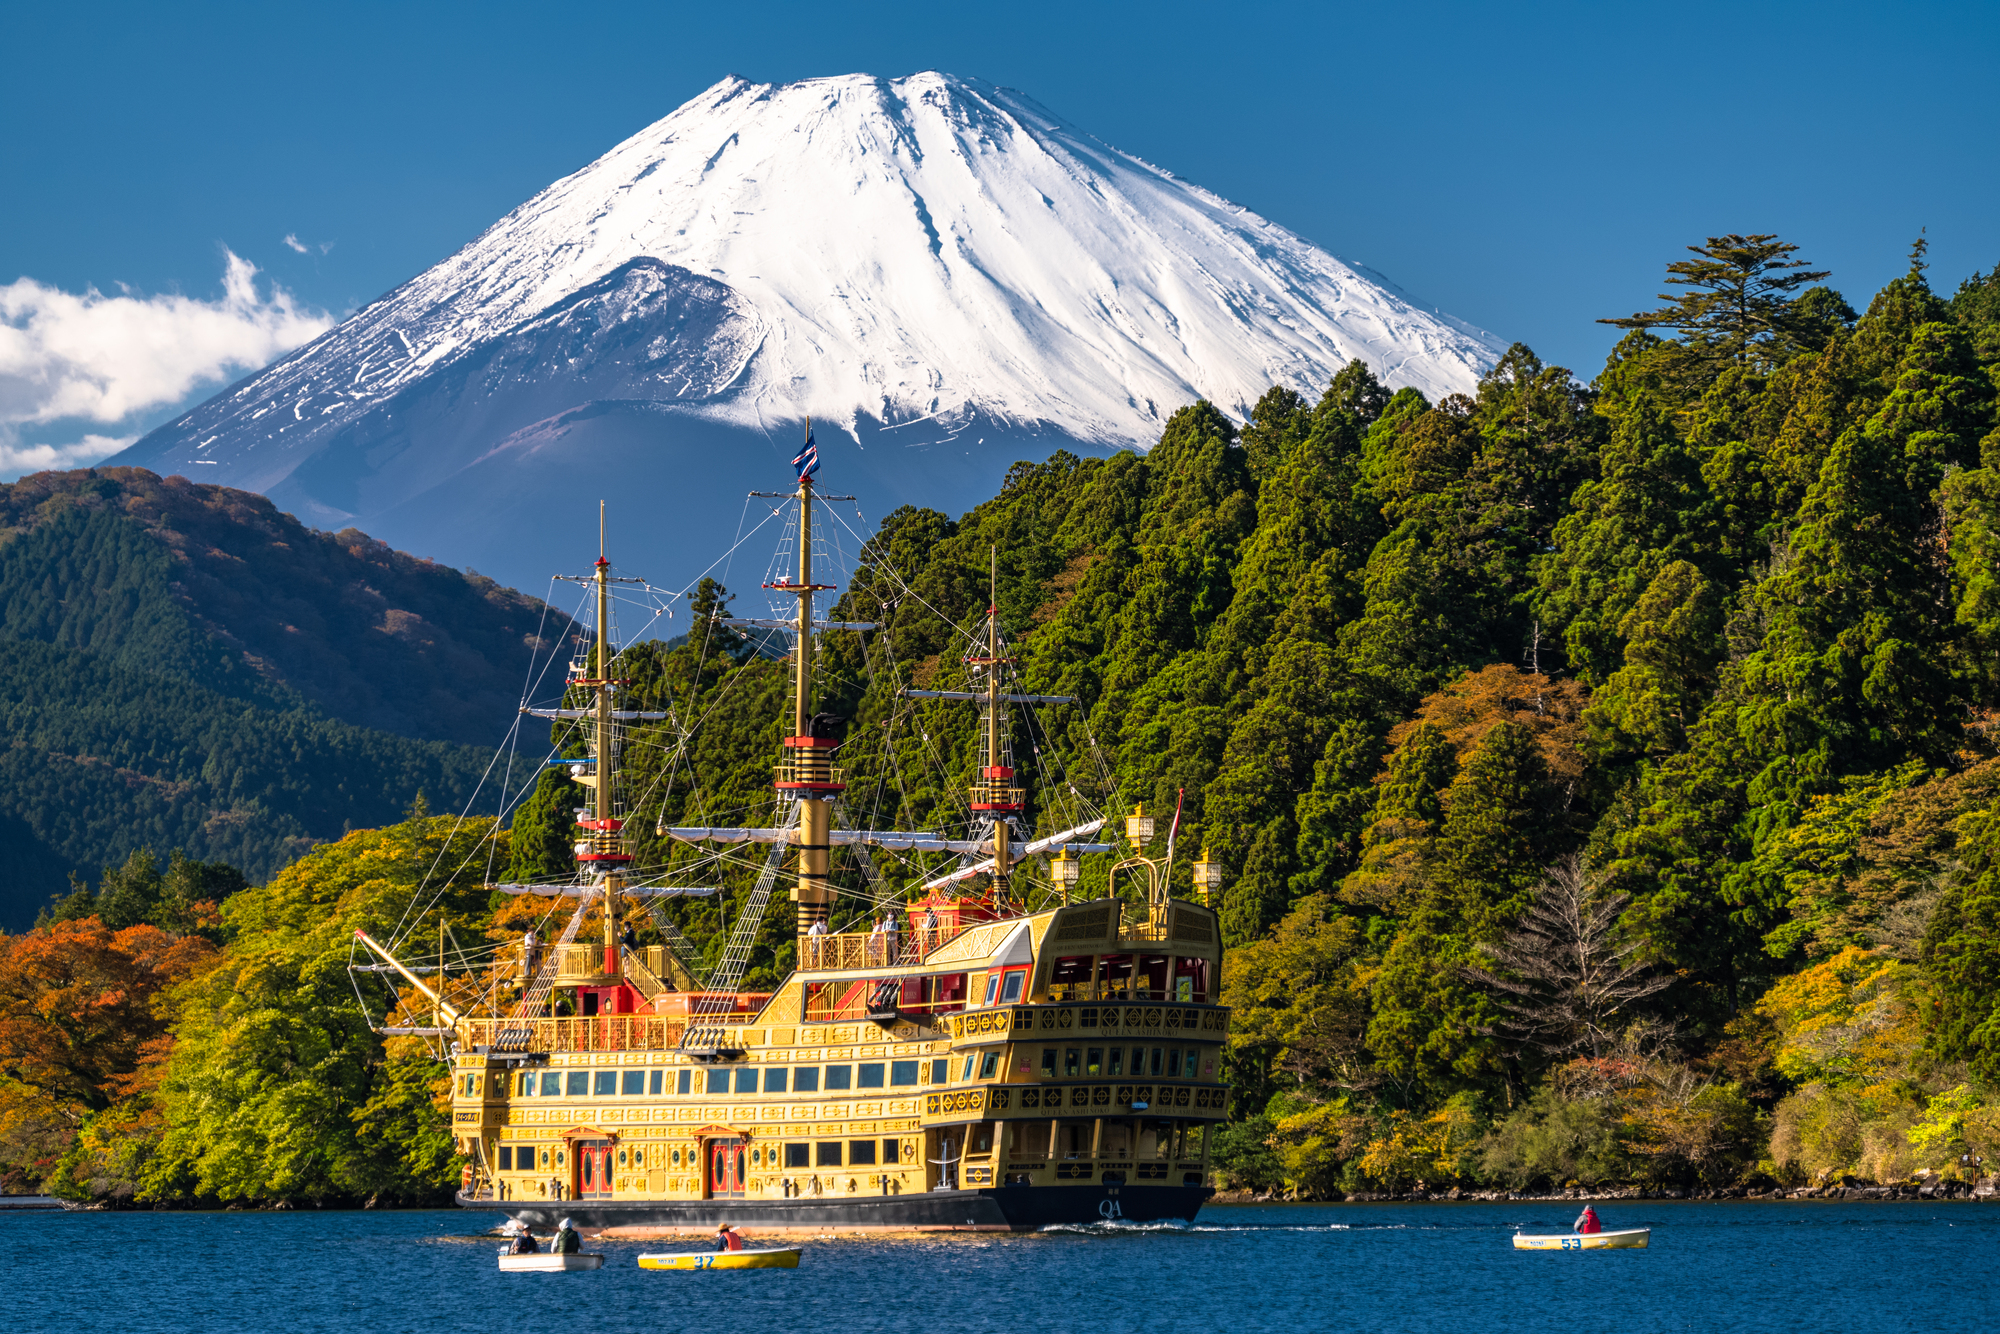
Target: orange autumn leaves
column 81, row 1026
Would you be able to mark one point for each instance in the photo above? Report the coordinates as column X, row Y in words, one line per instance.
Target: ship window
column 806, row 1081
column 774, row 1079
column 902, row 1072
column 940, row 1072
column 685, row 1083
column 861, row 1153
column 966, row 1073
column 1156, row 1063
column 798, row 1155
column 826, row 1153
column 871, row 1075
column 718, row 1081
column 506, row 1157
column 1114, row 1062
column 1174, row 1063
column 632, row 1083
column 607, row 1084
column 992, row 987
column 577, row 1085
column 889, row 1150
column 989, row 1064
column 528, row 1085
column 1184, row 989
column 1072, row 1062
column 1191, row 979
column 1093, row 1062
column 1073, row 968
column 949, row 992
column 839, row 1077
column 1049, row 1062
column 1087, row 1017
column 746, row 1080
column 675, row 1157
column 657, row 1082
column 982, row 1138
column 1010, row 991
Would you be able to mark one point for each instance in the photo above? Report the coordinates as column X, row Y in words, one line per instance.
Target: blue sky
column 1526, row 167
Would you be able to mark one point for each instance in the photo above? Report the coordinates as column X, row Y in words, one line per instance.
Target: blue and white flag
column 807, row 462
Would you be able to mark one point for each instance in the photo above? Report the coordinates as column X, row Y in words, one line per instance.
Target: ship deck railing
column 856, row 950
column 593, row 1032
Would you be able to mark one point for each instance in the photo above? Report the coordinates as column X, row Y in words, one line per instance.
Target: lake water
column 1743, row 1266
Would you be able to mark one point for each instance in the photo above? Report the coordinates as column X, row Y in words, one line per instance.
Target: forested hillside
column 182, row 667
column 1705, row 650
column 1605, row 774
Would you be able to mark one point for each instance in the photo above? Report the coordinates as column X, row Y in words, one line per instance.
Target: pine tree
column 1739, row 304
column 1499, row 830
column 1672, row 648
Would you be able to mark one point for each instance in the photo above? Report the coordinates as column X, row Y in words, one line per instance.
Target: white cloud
column 17, row 459
column 105, row 359
column 292, row 240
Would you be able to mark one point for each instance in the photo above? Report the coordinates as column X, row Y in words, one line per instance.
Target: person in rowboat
column 1587, row 1221
column 524, row 1242
column 568, row 1241
column 728, row 1239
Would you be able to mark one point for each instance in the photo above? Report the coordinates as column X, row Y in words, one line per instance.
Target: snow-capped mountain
column 928, row 261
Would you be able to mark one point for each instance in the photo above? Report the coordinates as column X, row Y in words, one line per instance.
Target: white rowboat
column 1631, row 1239
column 545, row 1263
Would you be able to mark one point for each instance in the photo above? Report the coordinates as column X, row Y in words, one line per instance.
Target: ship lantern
column 1207, row 874
column 1139, row 827
column 1064, row 870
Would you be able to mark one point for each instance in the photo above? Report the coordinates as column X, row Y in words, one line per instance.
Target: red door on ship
column 593, row 1169
column 725, row 1167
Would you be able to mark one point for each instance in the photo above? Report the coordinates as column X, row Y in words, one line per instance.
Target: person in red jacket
column 1587, row 1221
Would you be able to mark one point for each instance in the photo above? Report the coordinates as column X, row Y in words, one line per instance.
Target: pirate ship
column 968, row 1065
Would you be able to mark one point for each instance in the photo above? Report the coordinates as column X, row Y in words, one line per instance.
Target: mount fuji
column 941, row 273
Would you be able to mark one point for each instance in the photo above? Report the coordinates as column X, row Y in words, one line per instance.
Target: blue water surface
column 1738, row 1266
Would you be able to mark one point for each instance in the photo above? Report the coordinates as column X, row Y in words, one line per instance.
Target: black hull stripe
column 1008, row 1208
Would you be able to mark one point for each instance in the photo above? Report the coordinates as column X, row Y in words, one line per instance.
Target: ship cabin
column 1080, row 1045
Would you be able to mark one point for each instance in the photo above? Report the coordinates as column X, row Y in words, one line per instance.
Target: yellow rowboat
column 765, row 1259
column 545, row 1263
column 1631, row 1239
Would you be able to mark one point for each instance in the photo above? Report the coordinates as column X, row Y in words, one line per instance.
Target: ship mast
column 604, row 791
column 994, row 794
column 805, row 773
column 602, row 849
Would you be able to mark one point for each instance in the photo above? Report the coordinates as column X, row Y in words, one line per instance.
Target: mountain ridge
column 930, row 265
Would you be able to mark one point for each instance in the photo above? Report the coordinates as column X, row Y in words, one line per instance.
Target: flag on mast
column 807, row 461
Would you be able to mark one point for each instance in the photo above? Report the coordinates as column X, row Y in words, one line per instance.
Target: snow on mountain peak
column 929, row 247
column 930, row 261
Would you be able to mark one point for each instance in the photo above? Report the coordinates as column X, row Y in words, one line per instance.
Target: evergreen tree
column 1738, row 306
column 1672, row 647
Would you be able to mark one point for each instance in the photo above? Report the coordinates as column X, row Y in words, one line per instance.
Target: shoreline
column 1983, row 1191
